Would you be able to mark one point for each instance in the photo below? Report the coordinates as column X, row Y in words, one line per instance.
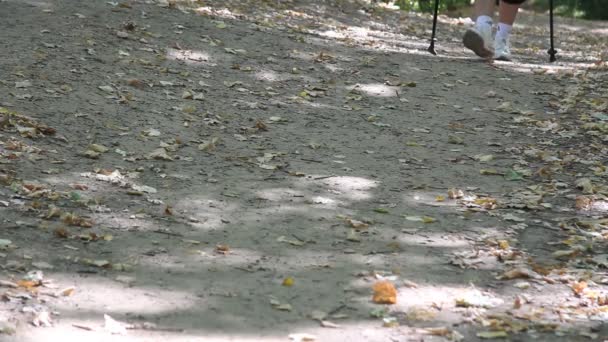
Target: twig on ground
column 160, row 231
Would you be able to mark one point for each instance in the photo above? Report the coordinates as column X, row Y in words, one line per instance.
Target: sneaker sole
column 474, row 42
column 503, row 58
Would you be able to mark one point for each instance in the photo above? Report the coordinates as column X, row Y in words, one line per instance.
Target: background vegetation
column 589, row 9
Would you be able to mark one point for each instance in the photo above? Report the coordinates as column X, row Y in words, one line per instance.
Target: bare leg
column 507, row 12
column 485, row 7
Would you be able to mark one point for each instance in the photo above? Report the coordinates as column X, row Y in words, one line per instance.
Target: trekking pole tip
column 552, row 52
column 431, row 48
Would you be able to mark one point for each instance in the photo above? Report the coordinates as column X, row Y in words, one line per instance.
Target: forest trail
column 249, row 170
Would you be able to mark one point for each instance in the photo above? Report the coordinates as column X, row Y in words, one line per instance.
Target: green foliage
column 428, row 5
column 589, row 9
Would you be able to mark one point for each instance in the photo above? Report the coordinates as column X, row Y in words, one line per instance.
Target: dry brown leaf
column 517, row 273
column 385, row 293
column 583, row 203
column 259, row 124
column 62, row 233
column 421, row 314
column 579, row 287
column 357, row 224
column 454, row 193
column 135, row 83
column 67, row 291
column 80, row 187
column 222, row 249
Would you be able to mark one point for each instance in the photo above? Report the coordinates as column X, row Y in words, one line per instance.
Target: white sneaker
column 502, row 49
column 479, row 40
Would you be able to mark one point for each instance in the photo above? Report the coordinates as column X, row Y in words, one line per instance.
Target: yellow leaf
column 428, row 219
column 288, row 282
column 503, row 244
column 492, row 334
column 489, row 172
column 440, row 198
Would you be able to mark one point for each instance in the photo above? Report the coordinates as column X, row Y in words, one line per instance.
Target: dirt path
column 248, row 170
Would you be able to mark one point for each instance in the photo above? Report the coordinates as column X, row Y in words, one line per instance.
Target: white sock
column 504, row 30
column 483, row 22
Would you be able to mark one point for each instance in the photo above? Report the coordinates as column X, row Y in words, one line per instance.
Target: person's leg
column 484, row 7
column 479, row 38
column 507, row 13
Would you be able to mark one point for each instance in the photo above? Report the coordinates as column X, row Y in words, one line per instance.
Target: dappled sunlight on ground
column 221, row 237
column 353, row 188
column 278, row 194
column 270, row 76
column 189, row 56
column 116, row 298
column 376, row 89
column 435, row 240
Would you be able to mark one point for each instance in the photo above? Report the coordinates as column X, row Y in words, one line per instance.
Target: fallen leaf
column 484, row 158
column 160, row 154
column 503, row 244
column 454, row 193
column 476, row 298
column 294, row 242
column 62, row 233
column 222, row 249
column 357, row 224
column 151, row 132
column 284, row 307
column 67, row 291
column 384, row 293
column 583, row 203
column 579, row 287
column 288, row 282
column 492, row 334
column 98, row 148
column 512, row 175
column 489, row 172
column 519, row 272
column 107, row 89
column 353, row 235
column 454, row 139
column 586, row 185
column 208, row 145
column 390, row 322
column 421, row 314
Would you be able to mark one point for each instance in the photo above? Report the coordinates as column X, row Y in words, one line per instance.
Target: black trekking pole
column 431, row 48
column 552, row 52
